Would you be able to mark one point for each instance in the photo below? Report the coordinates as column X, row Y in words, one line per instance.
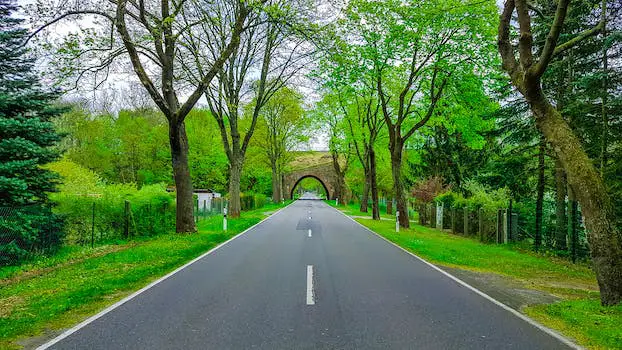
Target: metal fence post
column 127, row 219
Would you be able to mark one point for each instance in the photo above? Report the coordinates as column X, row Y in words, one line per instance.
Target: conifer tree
column 27, row 137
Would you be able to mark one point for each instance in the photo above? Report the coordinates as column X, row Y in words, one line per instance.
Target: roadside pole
column 397, row 221
column 224, row 219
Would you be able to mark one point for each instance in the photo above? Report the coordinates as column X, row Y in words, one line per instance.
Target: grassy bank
column 579, row 314
column 55, row 293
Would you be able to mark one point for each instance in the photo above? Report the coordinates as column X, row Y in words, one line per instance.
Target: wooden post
column 480, row 226
column 466, row 221
column 504, row 237
column 513, row 236
column 127, row 219
column 453, row 220
column 439, row 216
column 499, row 225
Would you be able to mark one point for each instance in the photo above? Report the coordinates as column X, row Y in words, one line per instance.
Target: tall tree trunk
column 540, row 193
column 235, row 173
column 276, row 191
column 365, row 196
column 604, row 237
column 340, row 185
column 181, row 172
column 374, row 185
column 561, row 230
column 398, row 187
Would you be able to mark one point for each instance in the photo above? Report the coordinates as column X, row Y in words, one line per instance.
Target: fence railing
column 495, row 226
column 488, row 226
column 209, row 207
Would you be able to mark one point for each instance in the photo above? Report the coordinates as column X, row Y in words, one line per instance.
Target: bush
column 249, row 201
column 84, row 195
column 478, row 196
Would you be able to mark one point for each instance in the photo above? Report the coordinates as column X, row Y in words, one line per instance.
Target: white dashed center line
column 310, row 297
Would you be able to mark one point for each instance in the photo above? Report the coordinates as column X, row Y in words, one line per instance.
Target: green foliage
column 27, row 137
column 134, row 148
column 152, row 208
column 476, row 196
column 250, row 201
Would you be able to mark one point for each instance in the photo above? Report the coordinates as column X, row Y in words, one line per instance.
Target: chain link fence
column 499, row 226
column 26, row 231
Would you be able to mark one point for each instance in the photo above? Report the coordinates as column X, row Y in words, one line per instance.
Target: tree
column 151, row 34
column 414, row 52
column 283, row 126
column 526, row 73
column 361, row 112
column 269, row 55
column 328, row 113
column 27, row 140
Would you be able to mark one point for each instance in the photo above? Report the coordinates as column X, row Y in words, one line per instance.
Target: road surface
column 308, row 278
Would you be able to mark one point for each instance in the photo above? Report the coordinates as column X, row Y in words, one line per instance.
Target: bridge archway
column 291, row 193
column 324, row 173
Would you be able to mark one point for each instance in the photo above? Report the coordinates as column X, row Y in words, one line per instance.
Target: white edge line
column 516, row 313
column 310, row 298
column 110, row 308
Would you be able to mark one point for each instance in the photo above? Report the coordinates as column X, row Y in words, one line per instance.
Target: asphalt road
column 281, row 286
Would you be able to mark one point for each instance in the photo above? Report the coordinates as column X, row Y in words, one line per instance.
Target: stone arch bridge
column 324, row 173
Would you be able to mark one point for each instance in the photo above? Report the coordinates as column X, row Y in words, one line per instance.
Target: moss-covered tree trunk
column 589, row 189
column 526, row 72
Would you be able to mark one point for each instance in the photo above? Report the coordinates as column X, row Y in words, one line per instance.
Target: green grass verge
column 579, row 314
column 353, row 209
column 59, row 292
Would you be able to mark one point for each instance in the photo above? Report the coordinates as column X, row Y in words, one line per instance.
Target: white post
column 336, row 201
column 224, row 219
column 397, row 221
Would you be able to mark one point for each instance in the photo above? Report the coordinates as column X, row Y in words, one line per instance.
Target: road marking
column 309, row 217
column 84, row 323
column 309, row 233
column 310, row 298
column 525, row 318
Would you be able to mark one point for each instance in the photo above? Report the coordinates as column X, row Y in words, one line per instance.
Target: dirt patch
column 507, row 290
column 36, row 341
column 9, row 304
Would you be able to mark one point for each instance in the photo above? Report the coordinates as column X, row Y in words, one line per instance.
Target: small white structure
column 205, row 197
